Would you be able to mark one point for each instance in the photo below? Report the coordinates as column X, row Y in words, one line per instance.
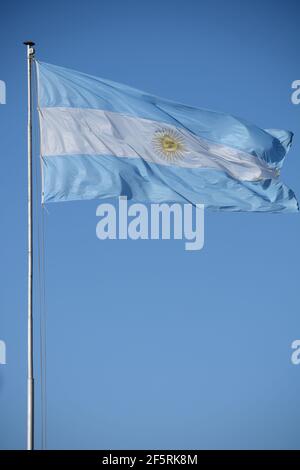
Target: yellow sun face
column 168, row 144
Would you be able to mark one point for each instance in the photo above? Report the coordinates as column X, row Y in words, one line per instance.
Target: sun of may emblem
column 168, row 144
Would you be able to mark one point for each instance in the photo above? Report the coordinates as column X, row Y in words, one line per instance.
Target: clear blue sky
column 150, row 346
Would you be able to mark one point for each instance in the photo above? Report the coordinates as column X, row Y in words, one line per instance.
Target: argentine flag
column 102, row 139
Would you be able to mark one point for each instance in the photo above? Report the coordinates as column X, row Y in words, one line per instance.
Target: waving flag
column 103, row 139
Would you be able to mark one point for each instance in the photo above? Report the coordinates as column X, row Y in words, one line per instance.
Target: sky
column 150, row 346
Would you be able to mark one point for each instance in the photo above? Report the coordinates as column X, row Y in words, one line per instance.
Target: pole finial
column 29, row 43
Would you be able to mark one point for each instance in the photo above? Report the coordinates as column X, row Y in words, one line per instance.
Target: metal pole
column 30, row 382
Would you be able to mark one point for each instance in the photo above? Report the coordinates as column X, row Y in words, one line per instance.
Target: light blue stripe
column 90, row 177
column 61, row 87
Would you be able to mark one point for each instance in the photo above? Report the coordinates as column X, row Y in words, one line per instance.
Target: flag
column 103, row 139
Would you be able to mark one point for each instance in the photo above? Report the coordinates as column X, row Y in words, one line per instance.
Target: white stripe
column 79, row 131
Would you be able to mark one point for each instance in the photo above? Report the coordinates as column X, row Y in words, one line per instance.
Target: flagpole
column 30, row 381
